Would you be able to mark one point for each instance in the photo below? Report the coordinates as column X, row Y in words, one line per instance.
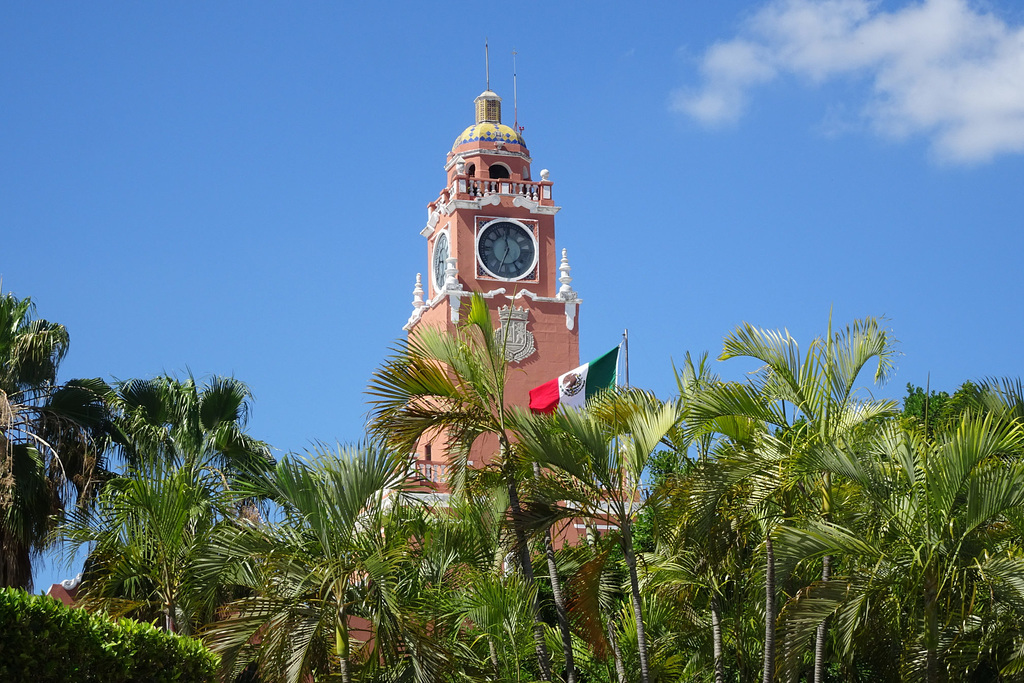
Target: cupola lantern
column 488, row 107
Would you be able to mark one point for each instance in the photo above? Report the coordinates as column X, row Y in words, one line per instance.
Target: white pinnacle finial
column 565, row 291
column 417, row 293
column 418, row 307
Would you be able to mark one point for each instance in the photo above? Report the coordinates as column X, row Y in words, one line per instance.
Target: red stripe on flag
column 544, row 399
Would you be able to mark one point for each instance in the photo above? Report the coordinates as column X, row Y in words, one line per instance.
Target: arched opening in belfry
column 471, row 170
column 498, row 171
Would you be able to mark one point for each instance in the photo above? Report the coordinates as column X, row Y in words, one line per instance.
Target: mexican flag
column 576, row 386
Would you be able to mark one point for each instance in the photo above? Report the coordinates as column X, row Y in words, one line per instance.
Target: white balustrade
column 484, row 187
column 431, row 471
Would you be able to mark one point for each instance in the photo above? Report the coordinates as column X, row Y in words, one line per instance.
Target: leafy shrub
column 43, row 641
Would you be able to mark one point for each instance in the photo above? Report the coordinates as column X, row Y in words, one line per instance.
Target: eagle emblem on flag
column 572, row 384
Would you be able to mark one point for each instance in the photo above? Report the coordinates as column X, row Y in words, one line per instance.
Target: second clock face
column 506, row 250
column 440, row 260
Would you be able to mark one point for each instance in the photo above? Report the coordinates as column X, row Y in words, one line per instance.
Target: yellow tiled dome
column 489, row 132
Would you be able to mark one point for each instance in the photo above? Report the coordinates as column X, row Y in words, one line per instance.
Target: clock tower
column 492, row 231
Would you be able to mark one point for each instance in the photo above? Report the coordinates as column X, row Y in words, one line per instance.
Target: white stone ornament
column 566, row 293
column 452, row 287
column 451, row 274
column 417, row 292
column 417, row 303
column 71, row 584
column 512, row 334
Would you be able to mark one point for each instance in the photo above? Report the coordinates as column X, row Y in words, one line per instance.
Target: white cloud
column 941, row 68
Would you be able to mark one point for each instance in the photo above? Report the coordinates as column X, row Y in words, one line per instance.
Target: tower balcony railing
column 483, row 187
column 434, row 472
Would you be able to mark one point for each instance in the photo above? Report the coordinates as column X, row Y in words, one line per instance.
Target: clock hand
column 505, row 255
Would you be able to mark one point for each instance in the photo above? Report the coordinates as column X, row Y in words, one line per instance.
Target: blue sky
column 238, row 188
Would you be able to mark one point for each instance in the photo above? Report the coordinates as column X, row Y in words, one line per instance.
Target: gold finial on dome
column 488, row 107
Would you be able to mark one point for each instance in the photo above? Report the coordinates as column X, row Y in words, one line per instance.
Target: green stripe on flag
column 601, row 374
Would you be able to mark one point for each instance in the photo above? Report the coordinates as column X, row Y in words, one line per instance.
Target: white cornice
column 494, row 200
column 535, row 207
column 547, row 299
column 454, row 295
column 432, row 218
column 571, row 301
column 489, row 200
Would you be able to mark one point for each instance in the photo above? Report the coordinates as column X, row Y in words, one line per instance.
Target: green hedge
column 42, row 641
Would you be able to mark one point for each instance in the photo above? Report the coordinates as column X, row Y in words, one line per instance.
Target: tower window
column 471, row 170
column 426, row 452
column 498, row 171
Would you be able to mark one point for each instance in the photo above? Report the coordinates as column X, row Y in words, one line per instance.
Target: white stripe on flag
column 572, row 387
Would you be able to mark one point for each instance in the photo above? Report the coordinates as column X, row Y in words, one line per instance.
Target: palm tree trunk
column 819, row 637
column 526, row 567
column 341, row 646
column 169, row 610
column 613, row 640
column 560, row 609
column 634, row 586
column 559, row 597
column 494, row 656
column 769, row 610
column 716, row 637
column 826, row 574
column 932, row 673
column 15, row 558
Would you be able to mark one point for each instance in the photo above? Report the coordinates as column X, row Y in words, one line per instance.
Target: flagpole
column 625, row 348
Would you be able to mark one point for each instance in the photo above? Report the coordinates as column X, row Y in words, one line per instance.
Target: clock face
column 440, row 260
column 506, row 250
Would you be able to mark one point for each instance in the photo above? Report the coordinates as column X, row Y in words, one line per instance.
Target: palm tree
column 453, row 386
column 696, row 555
column 700, row 558
column 186, row 452
column 597, row 459
column 51, row 441
column 935, row 560
column 334, row 557
column 458, row 560
column 1002, row 397
column 819, row 386
column 595, row 595
column 178, row 421
column 147, row 535
column 500, row 608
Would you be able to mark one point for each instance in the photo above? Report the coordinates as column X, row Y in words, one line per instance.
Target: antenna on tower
column 487, row 63
column 515, row 91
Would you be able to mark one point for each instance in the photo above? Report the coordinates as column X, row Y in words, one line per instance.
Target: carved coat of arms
column 512, row 333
